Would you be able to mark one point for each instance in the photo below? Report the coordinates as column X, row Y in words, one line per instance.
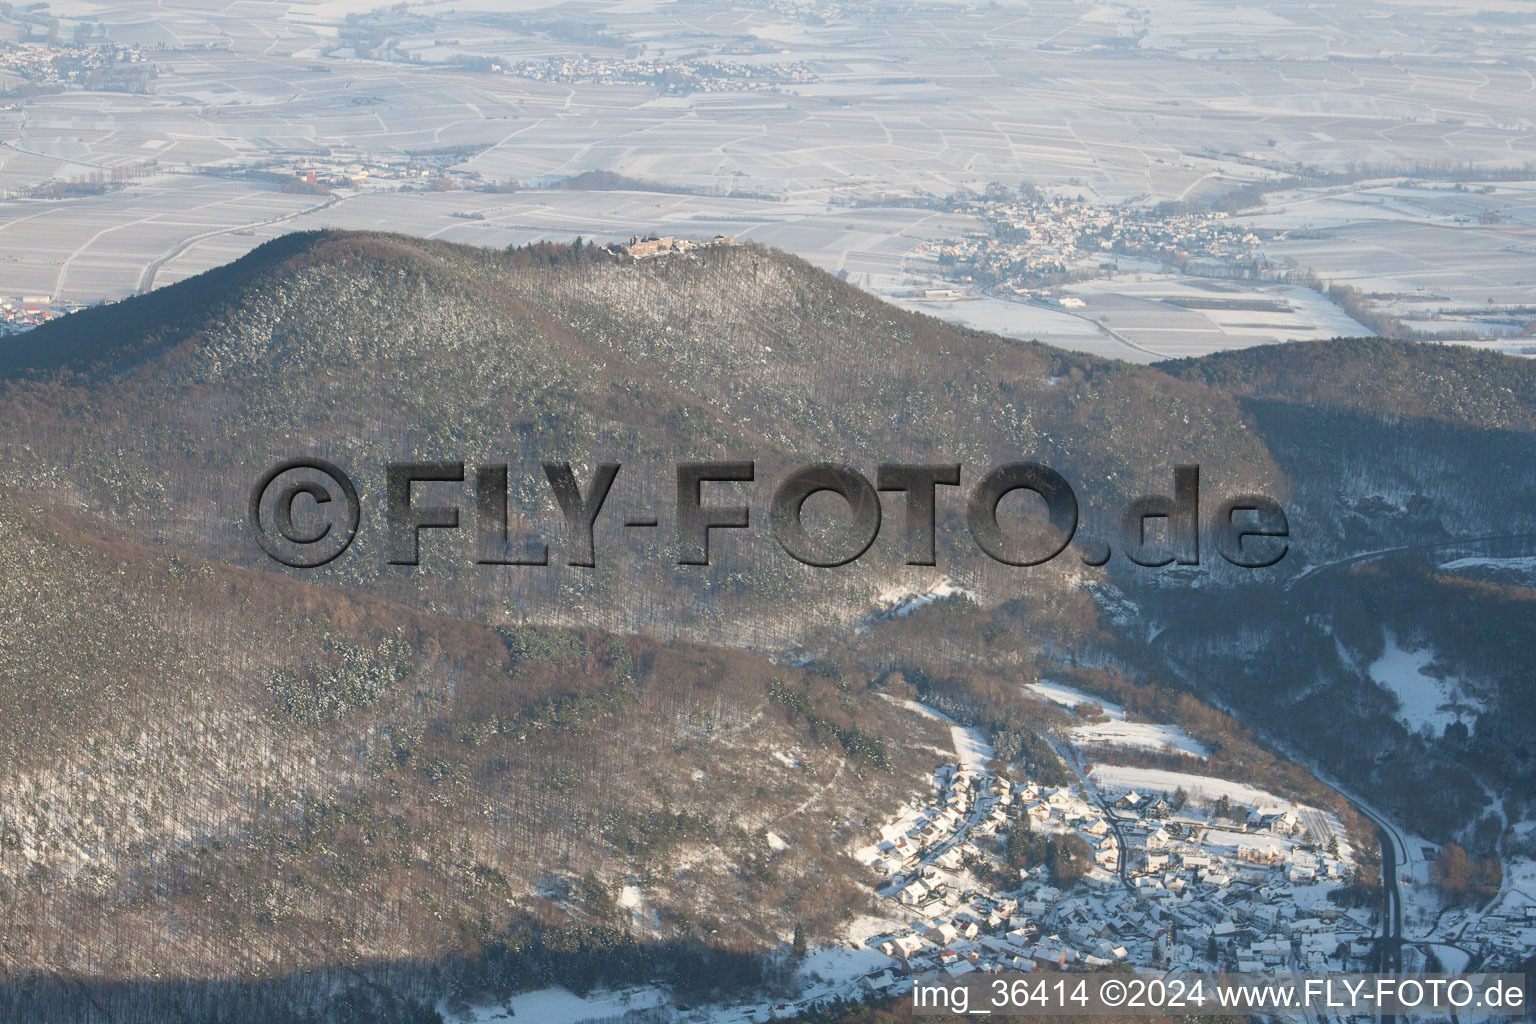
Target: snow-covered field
column 1121, row 733
column 1426, row 700
column 1115, row 730
column 1001, row 316
column 1117, row 779
column 971, row 748
column 1068, row 697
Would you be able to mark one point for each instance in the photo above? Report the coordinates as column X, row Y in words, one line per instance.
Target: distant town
column 24, row 312
column 704, row 74
column 1038, row 242
column 99, row 66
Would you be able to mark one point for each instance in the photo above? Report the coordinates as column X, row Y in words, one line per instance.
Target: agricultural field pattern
column 1371, row 164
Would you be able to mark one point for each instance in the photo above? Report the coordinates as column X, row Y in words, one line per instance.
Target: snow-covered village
column 1153, row 869
column 1146, row 869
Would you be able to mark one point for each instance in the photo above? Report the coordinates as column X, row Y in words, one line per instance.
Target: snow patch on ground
column 919, row 708
column 1453, row 960
column 830, row 971
column 826, row 972
column 971, row 747
column 1518, row 572
column 558, row 1006
column 899, row 601
column 643, row 916
column 1426, row 701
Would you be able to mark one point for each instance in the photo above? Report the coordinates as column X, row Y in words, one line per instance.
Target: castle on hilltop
column 652, row 245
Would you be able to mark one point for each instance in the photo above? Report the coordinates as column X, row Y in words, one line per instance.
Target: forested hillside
column 405, row 778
